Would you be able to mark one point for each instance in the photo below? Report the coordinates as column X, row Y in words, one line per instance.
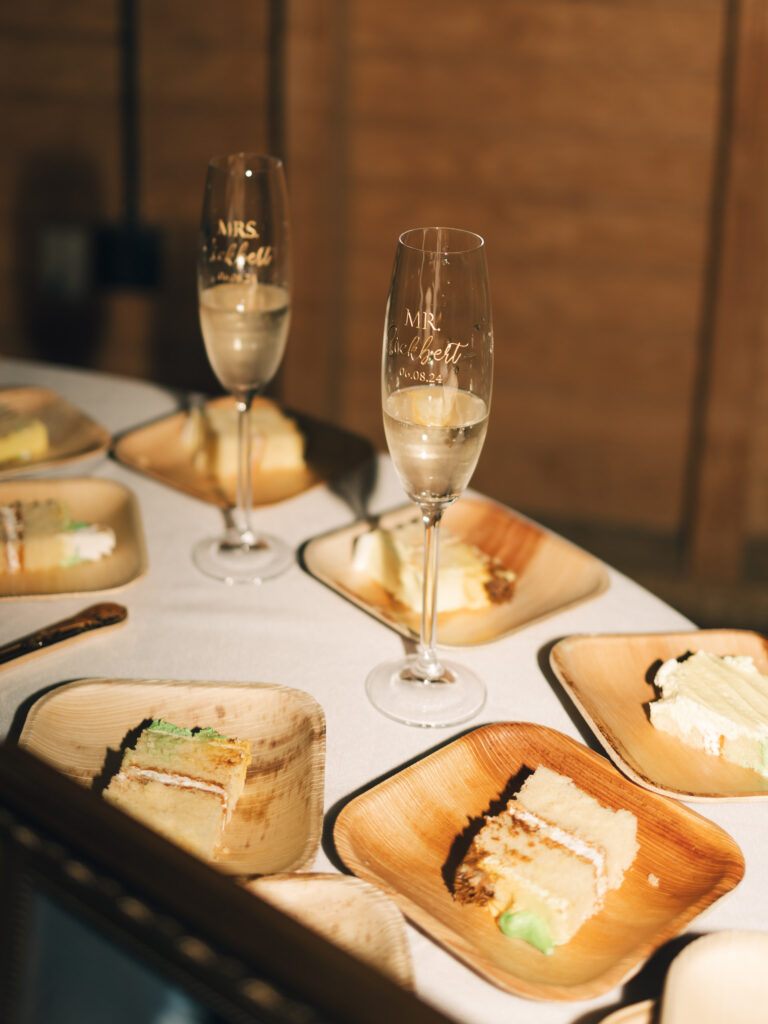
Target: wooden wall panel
column 58, row 159
column 204, row 90
column 579, row 139
column 317, row 183
column 725, row 471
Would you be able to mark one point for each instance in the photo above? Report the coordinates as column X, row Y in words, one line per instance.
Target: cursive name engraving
column 240, row 255
column 424, row 349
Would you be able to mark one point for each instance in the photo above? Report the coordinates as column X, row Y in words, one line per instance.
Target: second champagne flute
column 244, row 293
column 437, row 368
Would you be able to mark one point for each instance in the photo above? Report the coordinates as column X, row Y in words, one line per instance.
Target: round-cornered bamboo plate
column 408, row 834
column 90, row 500
column 348, row 912
column 610, row 680
column 81, row 728
column 716, row 978
column 551, row 573
column 71, row 434
column 158, row 450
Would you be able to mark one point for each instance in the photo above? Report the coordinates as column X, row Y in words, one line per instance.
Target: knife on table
column 96, row 616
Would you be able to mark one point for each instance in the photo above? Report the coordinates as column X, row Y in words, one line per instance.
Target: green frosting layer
column 526, row 925
column 160, row 725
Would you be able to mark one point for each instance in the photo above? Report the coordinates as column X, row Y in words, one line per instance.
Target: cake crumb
column 654, row 881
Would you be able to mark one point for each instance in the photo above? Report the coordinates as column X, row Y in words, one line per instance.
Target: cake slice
column 211, row 435
column 716, row 704
column 36, row 535
column 544, row 865
column 22, row 438
column 183, row 783
column 468, row 579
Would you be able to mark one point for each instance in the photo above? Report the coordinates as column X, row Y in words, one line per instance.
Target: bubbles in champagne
column 245, row 328
column 435, row 435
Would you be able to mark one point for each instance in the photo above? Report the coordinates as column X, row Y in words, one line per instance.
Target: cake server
column 96, row 616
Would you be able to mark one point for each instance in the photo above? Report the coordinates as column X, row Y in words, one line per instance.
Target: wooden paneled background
column 612, row 153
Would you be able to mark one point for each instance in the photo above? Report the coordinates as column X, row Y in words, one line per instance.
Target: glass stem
column 246, row 537
column 428, row 665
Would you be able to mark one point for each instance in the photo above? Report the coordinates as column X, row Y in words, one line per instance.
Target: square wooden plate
column 348, row 912
column 718, row 977
column 71, row 434
column 610, row 680
column 408, row 833
column 80, row 729
column 158, row 450
column 551, row 573
column 94, row 501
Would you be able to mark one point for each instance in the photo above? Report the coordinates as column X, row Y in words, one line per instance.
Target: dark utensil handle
column 94, row 617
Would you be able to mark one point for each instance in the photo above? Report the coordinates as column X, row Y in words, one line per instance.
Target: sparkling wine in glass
column 437, row 370
column 244, row 295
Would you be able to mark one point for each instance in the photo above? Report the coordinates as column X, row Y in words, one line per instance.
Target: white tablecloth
column 293, row 630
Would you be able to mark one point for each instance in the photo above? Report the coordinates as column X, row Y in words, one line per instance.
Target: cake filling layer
column 569, row 841
column 182, row 781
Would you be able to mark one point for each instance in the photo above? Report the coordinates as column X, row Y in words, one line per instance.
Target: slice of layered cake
column 37, row 535
column 183, row 783
column 544, row 865
column 467, row 578
column 210, row 434
column 22, row 438
column 716, row 704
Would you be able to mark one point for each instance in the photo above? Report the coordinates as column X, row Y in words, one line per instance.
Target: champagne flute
column 437, row 368
column 244, row 294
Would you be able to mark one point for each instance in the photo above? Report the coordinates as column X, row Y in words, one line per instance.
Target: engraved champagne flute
column 244, row 295
column 437, row 369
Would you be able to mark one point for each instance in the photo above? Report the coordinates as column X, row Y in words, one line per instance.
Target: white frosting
column 715, row 696
column 87, row 543
column 180, row 781
column 571, row 842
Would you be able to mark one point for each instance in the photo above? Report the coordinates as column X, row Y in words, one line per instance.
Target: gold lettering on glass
column 424, row 320
column 238, row 228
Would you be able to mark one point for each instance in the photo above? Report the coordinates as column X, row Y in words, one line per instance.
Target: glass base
column 456, row 697
column 246, row 563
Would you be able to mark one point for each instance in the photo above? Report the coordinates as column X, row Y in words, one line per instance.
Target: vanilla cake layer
column 211, row 435
column 205, row 756
column 22, row 438
column 716, row 704
column 184, row 783
column 544, row 865
column 515, row 866
column 41, row 535
column 606, row 836
column 467, row 579
column 191, row 817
